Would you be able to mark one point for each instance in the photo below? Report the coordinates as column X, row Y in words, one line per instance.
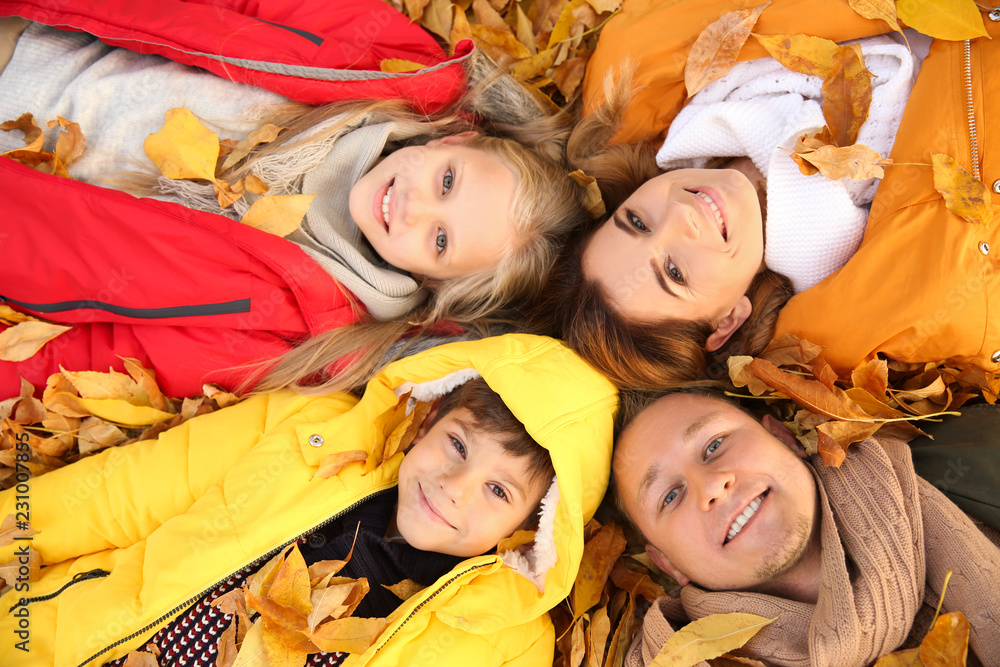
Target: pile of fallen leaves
column 545, row 44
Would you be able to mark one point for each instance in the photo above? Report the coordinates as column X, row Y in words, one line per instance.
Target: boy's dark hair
column 491, row 414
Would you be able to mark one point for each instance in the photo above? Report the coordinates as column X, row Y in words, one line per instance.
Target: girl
column 682, row 275
column 172, row 524
column 417, row 219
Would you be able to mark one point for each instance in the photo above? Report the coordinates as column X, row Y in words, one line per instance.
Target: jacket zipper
column 260, row 559
column 77, row 578
column 428, row 599
column 970, row 109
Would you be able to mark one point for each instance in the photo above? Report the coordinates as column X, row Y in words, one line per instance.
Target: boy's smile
column 460, row 492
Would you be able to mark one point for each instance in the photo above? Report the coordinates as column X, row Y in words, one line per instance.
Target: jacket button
column 996, row 186
column 316, row 541
column 996, row 357
column 984, row 247
column 316, row 440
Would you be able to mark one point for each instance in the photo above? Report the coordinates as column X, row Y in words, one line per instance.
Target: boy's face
column 441, row 210
column 460, row 493
column 689, row 466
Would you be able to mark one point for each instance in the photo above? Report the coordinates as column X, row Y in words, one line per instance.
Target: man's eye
column 670, row 497
column 634, row 220
column 712, row 447
column 458, row 445
column 447, row 181
column 674, row 273
column 499, row 492
column 442, row 241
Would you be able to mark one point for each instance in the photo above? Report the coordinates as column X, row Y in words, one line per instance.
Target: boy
column 176, row 522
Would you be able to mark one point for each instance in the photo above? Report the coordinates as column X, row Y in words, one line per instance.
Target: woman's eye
column 499, row 492
column 670, row 497
column 441, row 242
column 634, row 220
column 458, row 445
column 712, row 447
column 447, row 181
column 674, row 273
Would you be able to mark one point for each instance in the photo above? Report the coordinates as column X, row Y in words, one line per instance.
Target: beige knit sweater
column 888, row 540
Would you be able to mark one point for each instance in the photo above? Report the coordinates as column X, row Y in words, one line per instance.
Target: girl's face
column 438, row 211
column 686, row 245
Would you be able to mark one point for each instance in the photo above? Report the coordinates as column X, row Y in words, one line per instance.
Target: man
column 844, row 557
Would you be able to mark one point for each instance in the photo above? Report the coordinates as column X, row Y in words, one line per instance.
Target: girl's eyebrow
column 658, row 273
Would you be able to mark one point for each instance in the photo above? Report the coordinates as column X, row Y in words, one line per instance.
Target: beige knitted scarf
column 888, row 540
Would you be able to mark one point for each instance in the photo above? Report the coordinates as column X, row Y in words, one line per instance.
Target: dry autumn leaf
column 279, row 214
column 857, row 162
column 33, row 137
column 947, row 643
column 9, row 530
column 397, row 65
column 884, row 10
column 715, row 50
column 70, row 143
column 801, row 53
column 964, row 195
column 954, row 20
column 42, row 161
column 907, row 658
column 708, row 637
column 405, row 589
column 184, row 148
column 599, row 556
column 847, row 95
column 141, row 659
column 334, row 463
column 262, row 135
column 23, row 340
column 349, row 634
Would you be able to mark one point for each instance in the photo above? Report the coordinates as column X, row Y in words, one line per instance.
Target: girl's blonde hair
column 547, row 204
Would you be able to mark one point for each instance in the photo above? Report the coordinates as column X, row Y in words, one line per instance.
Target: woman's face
column 685, row 245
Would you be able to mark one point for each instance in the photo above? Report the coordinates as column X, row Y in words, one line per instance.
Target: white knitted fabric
column 814, row 224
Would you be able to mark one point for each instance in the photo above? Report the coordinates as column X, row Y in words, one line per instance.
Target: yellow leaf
column 524, row 33
column 332, row 464
column 405, row 589
column 741, row 375
column 485, row 15
column 801, row 53
column 709, row 637
column 847, row 95
column 437, row 18
column 70, row 144
column 857, row 162
column 11, row 316
column 963, row 195
column 280, row 214
column 947, row 644
column 599, row 556
column 715, row 50
column 93, row 384
column 253, row 184
column 415, row 9
column 529, row 68
column 227, row 194
column 402, row 436
column 877, row 9
column 23, row 340
column 262, row 135
column 908, row 658
column 593, row 200
column 184, row 148
column 33, row 137
column 396, row 65
column 120, row 411
column 146, row 379
column 460, row 28
column 351, row 635
column 276, row 646
column 502, row 47
column 290, row 587
column 954, row 20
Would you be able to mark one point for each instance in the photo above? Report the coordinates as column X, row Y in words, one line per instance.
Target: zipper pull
column 77, row 578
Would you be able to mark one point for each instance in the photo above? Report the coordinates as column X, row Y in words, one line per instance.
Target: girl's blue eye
column 447, row 181
column 442, row 241
column 674, row 273
column 670, row 497
column 712, row 447
column 635, row 221
column 457, row 444
column 499, row 492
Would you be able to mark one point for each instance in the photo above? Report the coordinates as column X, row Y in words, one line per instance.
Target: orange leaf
column 337, row 600
column 396, row 65
column 502, row 47
column 261, row 580
column 253, row 184
column 599, row 556
column 801, row 53
column 908, row 658
column 790, row 350
column 947, row 644
column 227, row 194
column 352, row 635
column 262, row 135
column 715, row 50
column 847, row 95
column 42, row 161
column 332, row 464
column 140, row 659
column 569, row 75
column 836, row 436
column 290, row 587
column 70, row 144
column 33, row 137
column 284, row 648
column 325, row 569
column 636, row 583
column 872, row 376
column 405, row 589
column 809, row 393
column 954, row 20
column 963, row 195
column 857, row 162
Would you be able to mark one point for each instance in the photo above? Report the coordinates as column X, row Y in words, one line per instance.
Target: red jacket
column 186, row 292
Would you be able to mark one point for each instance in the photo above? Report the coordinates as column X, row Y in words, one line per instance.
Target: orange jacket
column 925, row 284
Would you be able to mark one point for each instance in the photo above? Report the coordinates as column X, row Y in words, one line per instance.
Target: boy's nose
column 454, row 487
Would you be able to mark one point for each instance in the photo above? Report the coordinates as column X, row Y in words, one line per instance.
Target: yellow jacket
column 170, row 519
column 924, row 284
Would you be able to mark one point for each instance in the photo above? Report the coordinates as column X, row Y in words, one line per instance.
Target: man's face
column 723, row 502
column 460, row 492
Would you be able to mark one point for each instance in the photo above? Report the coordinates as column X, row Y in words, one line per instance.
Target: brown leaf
column 23, row 340
column 790, row 350
column 715, row 50
column 599, row 556
column 278, row 214
column 70, row 143
column 60, row 396
column 405, row 589
column 146, row 379
column 415, row 9
column 947, row 644
column 809, row 393
column 486, row 15
column 847, row 95
column 264, row 134
column 12, row 569
column 62, row 429
column 953, row 20
column 872, row 376
column 9, row 530
column 437, row 18
column 600, row 631
column 33, row 137
column 502, row 47
column 95, row 434
column 140, row 659
column 334, row 463
column 857, row 162
column 404, row 433
column 836, row 436
column 226, row 646
column 636, row 583
column 801, row 53
column 352, row 635
column 621, row 639
column 569, row 75
column 578, row 647
column 963, row 195
column 877, row 9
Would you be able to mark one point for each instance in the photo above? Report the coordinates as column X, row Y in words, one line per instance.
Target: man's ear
column 453, row 139
column 728, row 325
column 661, row 561
column 781, row 432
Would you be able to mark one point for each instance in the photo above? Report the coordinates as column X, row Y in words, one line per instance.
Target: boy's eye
column 499, row 492
column 635, row 221
column 442, row 241
column 458, row 445
column 670, row 497
column 712, row 447
column 674, row 273
column 447, row 182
